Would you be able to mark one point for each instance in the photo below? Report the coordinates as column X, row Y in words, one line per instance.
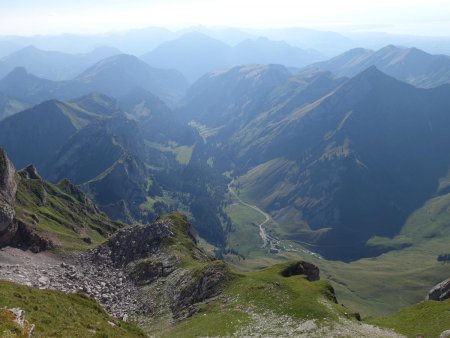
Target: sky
column 415, row 17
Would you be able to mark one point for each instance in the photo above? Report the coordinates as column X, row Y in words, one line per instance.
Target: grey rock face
column 134, row 243
column 440, row 291
column 148, row 270
column 8, row 188
column 185, row 288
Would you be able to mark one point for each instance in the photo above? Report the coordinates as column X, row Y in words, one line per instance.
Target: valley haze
column 224, row 169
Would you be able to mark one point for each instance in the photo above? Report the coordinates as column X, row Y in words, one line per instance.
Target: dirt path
column 267, row 240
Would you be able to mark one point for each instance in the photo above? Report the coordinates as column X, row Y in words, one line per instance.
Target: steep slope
column 410, row 65
column 98, row 103
column 35, row 135
column 121, row 188
column 8, row 191
column 355, row 163
column 141, row 103
column 47, row 215
column 9, row 106
column 94, row 148
column 216, row 99
column 223, row 104
column 76, row 313
column 53, row 65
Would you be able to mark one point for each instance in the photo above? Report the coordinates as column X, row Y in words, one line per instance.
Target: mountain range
column 406, row 64
column 316, row 158
column 195, row 54
column 114, row 76
column 169, row 202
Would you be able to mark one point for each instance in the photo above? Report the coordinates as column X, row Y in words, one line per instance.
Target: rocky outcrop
column 311, row 271
column 8, row 188
column 149, row 256
column 440, row 291
column 30, row 173
column 25, row 237
column 134, row 243
column 16, row 318
column 188, row 287
column 148, row 270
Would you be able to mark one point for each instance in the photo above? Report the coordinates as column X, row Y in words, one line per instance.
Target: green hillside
column 56, row 314
column 61, row 213
column 372, row 286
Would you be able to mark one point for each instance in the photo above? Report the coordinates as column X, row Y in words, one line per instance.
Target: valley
column 202, row 188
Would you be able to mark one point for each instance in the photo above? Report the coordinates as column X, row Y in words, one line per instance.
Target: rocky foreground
column 113, row 274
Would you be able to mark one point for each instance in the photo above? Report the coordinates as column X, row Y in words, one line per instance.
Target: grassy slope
column 245, row 238
column 64, row 215
column 56, row 314
column 265, row 292
column 380, row 285
column 245, row 295
column 428, row 318
column 182, row 153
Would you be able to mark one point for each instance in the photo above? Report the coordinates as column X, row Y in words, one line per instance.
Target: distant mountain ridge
column 119, row 74
column 53, row 65
column 114, row 76
column 195, row 54
column 411, row 65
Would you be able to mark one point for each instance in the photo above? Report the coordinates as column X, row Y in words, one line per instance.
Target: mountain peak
column 18, row 72
column 28, row 49
column 373, row 74
column 195, row 35
column 390, row 48
column 372, row 77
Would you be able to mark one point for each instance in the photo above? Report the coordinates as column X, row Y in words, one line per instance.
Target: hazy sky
column 27, row 17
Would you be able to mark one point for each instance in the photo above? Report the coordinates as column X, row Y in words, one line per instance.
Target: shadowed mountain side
column 362, row 159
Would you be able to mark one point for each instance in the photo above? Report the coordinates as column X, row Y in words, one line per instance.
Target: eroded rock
column 8, row 188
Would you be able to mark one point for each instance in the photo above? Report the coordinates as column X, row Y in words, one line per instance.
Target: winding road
column 262, row 231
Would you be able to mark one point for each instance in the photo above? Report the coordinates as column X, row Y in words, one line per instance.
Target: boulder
column 311, row 271
column 440, row 291
column 445, row 334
